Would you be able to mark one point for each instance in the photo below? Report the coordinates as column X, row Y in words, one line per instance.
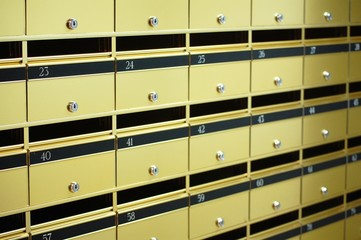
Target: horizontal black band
column 278, row 52
column 200, row 59
column 314, row 50
column 276, row 116
column 151, row 63
column 12, row 74
column 261, row 182
column 77, row 230
column 353, row 211
column 12, row 161
column 323, row 222
column 355, row 102
column 152, row 210
column 325, row 108
column 219, row 193
column 75, row 69
column 147, row 138
column 324, row 166
column 71, row 151
column 354, row 158
column 286, row 235
column 219, row 126
column 355, row 47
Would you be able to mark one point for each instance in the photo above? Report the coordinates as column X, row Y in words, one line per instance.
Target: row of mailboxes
column 45, row 18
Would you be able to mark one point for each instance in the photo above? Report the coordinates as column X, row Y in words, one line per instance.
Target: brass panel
column 331, row 231
column 13, row 104
column 315, row 124
column 354, row 125
column 315, row 11
column 265, row 72
column 12, row 17
column 236, row 12
column 336, row 64
column 109, row 234
column 135, row 15
column 264, row 136
column 204, row 80
column 353, row 227
column 355, row 11
column 203, row 217
column 355, row 70
column 262, row 199
column 353, row 177
column 51, row 17
column 265, row 12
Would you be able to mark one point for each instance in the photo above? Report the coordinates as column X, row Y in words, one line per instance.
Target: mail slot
column 80, row 161
column 68, row 17
column 12, row 226
column 13, row 93
column 64, row 86
column 148, row 156
column 152, row 16
column 210, row 145
column 275, row 13
column 12, row 15
column 326, row 12
column 220, row 14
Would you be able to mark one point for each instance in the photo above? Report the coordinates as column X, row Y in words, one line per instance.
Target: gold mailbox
column 355, row 9
column 353, row 178
column 354, row 113
column 355, row 58
column 326, row 12
column 352, row 226
column 12, row 15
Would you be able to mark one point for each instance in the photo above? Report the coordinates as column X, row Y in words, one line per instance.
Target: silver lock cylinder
column 277, row 144
column 153, row 170
column 220, row 156
column 220, row 222
column 279, row 17
column 328, row 16
column 72, row 23
column 276, row 205
column 326, row 75
column 325, row 133
column 153, row 238
column 73, row 106
column 74, row 187
column 221, row 19
column 153, row 21
column 324, row 191
column 153, row 96
column 221, row 88
column 277, row 81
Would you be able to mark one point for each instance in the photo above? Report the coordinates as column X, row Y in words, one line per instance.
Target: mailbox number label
column 201, row 197
column 130, row 216
column 129, row 65
column 129, row 142
column 45, row 156
column 44, row 71
column 47, row 236
column 201, row 59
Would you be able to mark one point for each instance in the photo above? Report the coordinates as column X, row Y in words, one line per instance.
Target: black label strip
column 77, row 230
column 286, row 235
column 12, row 74
column 354, row 158
column 276, row 116
column 353, row 211
column 355, row 47
column 151, row 63
column 200, row 59
column 71, row 151
column 277, row 53
column 76, row 69
column 152, row 211
column 219, row 126
column 147, row 138
column 314, row 50
column 324, row 166
column 13, row 161
column 219, row 193
column 325, row 108
column 261, row 182
column 323, row 222
column 355, row 102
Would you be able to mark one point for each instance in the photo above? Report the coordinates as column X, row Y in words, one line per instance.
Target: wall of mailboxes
column 183, row 119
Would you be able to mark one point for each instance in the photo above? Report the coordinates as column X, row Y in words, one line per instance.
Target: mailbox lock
column 153, row 21
column 72, row 23
column 74, row 187
column 220, row 222
column 277, row 81
column 277, row 144
column 153, row 238
column 73, row 106
column 153, row 170
column 221, row 19
column 326, row 75
column 220, row 156
column 221, row 88
column 153, row 96
column 324, row 191
column 325, row 133
column 279, row 17
column 276, row 205
column 328, row 16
